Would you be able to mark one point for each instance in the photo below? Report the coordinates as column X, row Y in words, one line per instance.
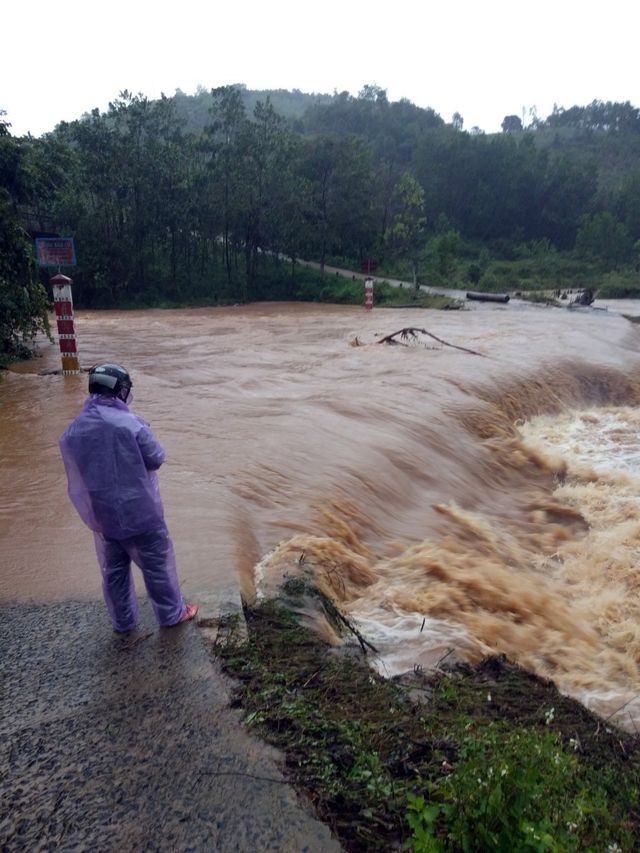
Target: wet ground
column 127, row 743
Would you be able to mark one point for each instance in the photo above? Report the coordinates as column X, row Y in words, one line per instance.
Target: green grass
column 538, row 298
column 619, row 285
column 493, row 758
column 275, row 283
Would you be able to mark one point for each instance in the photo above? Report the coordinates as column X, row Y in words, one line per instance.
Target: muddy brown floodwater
column 396, row 476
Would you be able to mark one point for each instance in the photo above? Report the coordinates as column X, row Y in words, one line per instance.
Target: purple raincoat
column 111, row 456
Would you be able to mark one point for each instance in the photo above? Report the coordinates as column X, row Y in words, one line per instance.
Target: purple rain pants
column 153, row 553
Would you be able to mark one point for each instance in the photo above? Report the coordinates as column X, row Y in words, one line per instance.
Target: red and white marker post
column 63, row 303
column 368, row 293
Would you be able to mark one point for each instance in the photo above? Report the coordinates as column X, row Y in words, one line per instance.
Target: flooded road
column 393, row 475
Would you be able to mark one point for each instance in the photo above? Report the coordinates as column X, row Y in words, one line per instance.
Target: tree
column 405, row 235
column 252, row 178
column 608, row 117
column 602, row 236
column 511, row 124
column 129, row 200
column 225, row 133
column 371, row 92
column 23, row 300
column 339, row 213
column 628, row 204
column 446, row 247
column 566, row 196
column 266, row 162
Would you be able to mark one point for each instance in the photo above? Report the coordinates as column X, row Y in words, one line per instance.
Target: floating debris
column 410, row 334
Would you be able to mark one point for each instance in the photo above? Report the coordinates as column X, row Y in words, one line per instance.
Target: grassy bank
column 466, row 758
column 525, row 268
column 275, row 282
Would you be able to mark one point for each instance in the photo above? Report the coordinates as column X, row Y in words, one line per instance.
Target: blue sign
column 55, row 252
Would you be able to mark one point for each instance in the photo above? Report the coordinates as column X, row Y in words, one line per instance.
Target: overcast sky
column 482, row 58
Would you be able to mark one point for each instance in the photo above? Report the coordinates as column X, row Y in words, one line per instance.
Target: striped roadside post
column 368, row 293
column 63, row 304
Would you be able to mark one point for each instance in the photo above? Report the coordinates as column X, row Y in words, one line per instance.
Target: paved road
column 111, row 743
column 621, row 306
column 394, row 282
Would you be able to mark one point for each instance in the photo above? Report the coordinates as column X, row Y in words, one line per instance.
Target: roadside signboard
column 55, row 252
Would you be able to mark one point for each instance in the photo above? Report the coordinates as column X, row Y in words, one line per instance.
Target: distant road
column 394, row 282
column 629, row 307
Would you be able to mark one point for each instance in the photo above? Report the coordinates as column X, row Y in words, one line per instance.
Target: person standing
column 111, row 457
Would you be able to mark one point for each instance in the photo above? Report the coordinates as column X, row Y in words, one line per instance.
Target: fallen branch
column 443, row 658
column 411, row 333
column 332, row 611
column 617, row 710
column 297, row 587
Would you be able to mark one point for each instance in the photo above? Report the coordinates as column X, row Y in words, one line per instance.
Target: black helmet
column 111, row 380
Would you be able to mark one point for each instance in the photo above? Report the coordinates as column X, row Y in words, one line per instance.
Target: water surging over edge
column 545, row 571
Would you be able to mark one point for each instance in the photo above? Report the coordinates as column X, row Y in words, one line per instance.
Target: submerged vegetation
column 468, row 758
column 215, row 198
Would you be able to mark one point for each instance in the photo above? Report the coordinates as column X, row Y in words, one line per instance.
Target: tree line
column 167, row 202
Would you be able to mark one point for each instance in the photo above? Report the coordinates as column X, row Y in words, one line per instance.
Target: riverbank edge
column 489, row 752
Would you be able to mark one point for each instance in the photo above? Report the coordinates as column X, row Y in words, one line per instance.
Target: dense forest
column 216, row 197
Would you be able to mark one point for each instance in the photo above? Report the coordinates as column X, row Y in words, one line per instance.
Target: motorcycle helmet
column 110, row 380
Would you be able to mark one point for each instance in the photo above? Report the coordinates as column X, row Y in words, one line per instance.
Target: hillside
column 194, row 109
column 614, row 151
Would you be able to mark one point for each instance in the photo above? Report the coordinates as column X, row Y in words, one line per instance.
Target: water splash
column 548, row 575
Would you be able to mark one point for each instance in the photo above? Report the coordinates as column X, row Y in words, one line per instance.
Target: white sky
column 482, row 58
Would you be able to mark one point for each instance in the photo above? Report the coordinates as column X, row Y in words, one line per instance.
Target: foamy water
column 606, row 439
column 558, row 594
column 602, row 450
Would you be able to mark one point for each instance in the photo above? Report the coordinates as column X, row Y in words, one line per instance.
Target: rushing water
column 445, row 500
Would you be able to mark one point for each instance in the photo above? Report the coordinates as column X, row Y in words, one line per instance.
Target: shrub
column 511, row 790
column 474, row 273
column 490, row 283
column 619, row 286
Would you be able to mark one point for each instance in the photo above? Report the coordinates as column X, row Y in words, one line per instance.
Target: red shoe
column 190, row 611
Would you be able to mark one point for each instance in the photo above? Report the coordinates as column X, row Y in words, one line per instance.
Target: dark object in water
column 489, row 297
column 584, row 297
column 410, row 333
